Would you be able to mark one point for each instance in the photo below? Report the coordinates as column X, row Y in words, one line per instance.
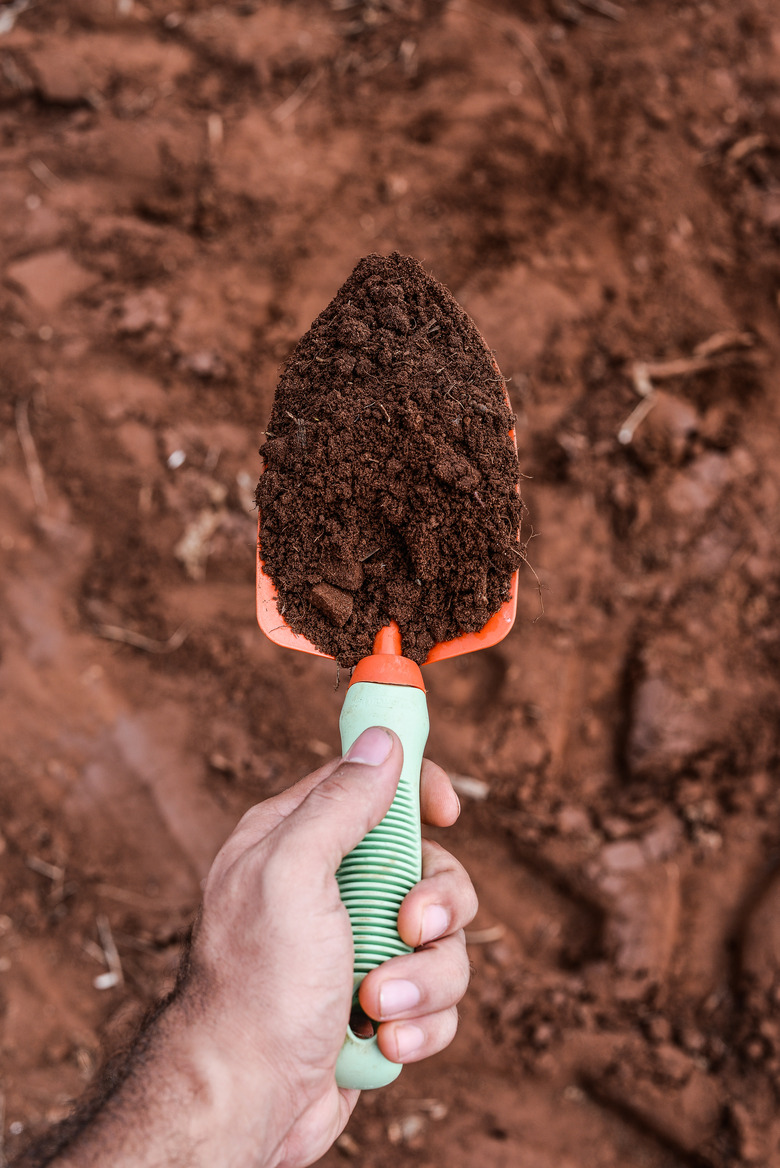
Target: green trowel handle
column 376, row 876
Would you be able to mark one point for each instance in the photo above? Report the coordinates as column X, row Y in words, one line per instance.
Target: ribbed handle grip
column 376, row 876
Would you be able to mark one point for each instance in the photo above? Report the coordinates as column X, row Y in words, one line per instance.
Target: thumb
column 347, row 803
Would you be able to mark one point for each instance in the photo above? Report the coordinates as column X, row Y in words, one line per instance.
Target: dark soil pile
column 390, row 481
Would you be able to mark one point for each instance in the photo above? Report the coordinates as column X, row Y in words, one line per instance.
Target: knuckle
column 265, row 868
column 451, row 1024
column 436, row 858
column 451, row 1019
column 270, row 861
column 444, row 977
column 458, row 969
column 443, row 1030
column 333, row 790
column 463, row 969
column 471, row 904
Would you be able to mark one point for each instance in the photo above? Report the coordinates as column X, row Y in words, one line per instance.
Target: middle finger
column 441, row 903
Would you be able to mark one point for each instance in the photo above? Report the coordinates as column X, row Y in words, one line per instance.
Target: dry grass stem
column 485, row 936
column 52, row 872
column 45, row 177
column 729, row 339
column 298, row 97
column 529, row 565
column 685, row 366
column 605, row 8
column 523, row 41
column 636, row 417
column 94, row 951
column 115, row 976
column 527, row 47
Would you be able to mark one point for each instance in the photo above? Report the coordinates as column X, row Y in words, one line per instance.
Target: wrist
column 223, row 1120
column 179, row 1103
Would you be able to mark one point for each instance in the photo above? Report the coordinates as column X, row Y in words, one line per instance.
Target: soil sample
column 390, row 481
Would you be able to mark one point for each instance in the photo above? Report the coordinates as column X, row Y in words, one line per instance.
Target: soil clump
column 390, row 483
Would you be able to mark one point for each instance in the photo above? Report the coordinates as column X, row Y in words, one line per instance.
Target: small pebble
column 572, row 820
column 659, row 1029
column 623, row 856
column 615, row 827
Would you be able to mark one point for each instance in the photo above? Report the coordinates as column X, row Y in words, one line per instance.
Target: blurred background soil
column 183, row 186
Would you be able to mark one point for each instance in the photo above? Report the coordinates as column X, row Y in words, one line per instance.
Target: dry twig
column 114, row 976
column 746, row 146
column 52, row 872
column 32, row 462
column 470, row 787
column 139, row 640
column 720, row 351
column 8, row 18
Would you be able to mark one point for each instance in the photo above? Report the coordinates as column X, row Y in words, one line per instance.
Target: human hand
column 236, row 1070
column 267, row 997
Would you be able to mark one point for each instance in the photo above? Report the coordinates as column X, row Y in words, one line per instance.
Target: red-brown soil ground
column 182, row 188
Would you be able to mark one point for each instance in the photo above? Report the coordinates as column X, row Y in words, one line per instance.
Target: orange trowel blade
column 270, row 619
column 277, row 630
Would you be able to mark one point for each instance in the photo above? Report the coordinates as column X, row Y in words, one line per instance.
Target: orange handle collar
column 387, row 665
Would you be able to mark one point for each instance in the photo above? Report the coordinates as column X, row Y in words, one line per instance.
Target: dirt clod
column 334, row 604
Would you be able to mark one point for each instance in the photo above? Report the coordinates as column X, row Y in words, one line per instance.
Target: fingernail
column 396, row 996
column 434, row 923
column 372, row 747
column 408, row 1039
